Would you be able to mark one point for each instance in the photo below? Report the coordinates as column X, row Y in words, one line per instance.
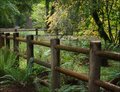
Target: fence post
column 36, row 34
column 16, row 47
column 1, row 40
column 7, row 40
column 55, row 77
column 29, row 47
column 16, row 30
column 95, row 63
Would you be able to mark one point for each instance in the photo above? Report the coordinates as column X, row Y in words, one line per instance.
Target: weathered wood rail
column 95, row 55
column 36, row 30
column 19, row 30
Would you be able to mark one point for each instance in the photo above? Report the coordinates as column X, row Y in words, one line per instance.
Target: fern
column 11, row 74
column 72, row 88
column 29, row 70
column 7, row 60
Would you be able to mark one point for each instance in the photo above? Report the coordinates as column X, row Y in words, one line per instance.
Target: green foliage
column 8, row 11
column 72, row 88
column 39, row 87
column 43, row 53
column 7, row 69
column 108, row 13
column 25, row 6
column 108, row 73
column 70, row 16
column 111, row 47
column 75, row 15
column 11, row 10
column 65, row 19
column 11, row 74
column 69, row 88
column 7, row 60
column 38, row 15
column 72, row 60
column 25, row 75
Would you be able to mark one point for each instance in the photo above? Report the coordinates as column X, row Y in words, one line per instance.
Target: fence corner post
column 7, row 40
column 95, row 63
column 30, row 52
column 16, row 47
column 1, row 40
column 55, row 62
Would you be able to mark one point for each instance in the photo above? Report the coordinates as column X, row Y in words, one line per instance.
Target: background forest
column 75, row 23
column 96, row 17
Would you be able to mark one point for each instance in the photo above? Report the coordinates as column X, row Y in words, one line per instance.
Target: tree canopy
column 66, row 16
column 102, row 16
column 9, row 9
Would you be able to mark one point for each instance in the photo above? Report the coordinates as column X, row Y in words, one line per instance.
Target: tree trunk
column 101, row 31
column 47, row 12
column 119, row 36
column 94, row 13
column 28, row 22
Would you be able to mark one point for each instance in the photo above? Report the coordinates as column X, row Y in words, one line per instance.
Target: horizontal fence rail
column 19, row 30
column 41, row 43
column 95, row 53
column 72, row 74
column 72, row 49
column 110, row 55
column 107, row 85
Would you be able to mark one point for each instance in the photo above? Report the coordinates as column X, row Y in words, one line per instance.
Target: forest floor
column 17, row 88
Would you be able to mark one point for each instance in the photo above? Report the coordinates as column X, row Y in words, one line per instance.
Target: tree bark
column 47, row 12
column 101, row 31
column 28, row 22
column 100, row 26
column 94, row 13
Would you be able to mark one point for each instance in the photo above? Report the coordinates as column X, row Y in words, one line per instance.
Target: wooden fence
column 95, row 55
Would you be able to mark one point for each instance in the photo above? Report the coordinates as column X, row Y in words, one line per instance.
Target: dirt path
column 16, row 88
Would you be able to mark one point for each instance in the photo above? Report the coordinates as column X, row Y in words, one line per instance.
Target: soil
column 17, row 88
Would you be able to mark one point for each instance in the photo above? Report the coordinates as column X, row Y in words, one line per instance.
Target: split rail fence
column 95, row 57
